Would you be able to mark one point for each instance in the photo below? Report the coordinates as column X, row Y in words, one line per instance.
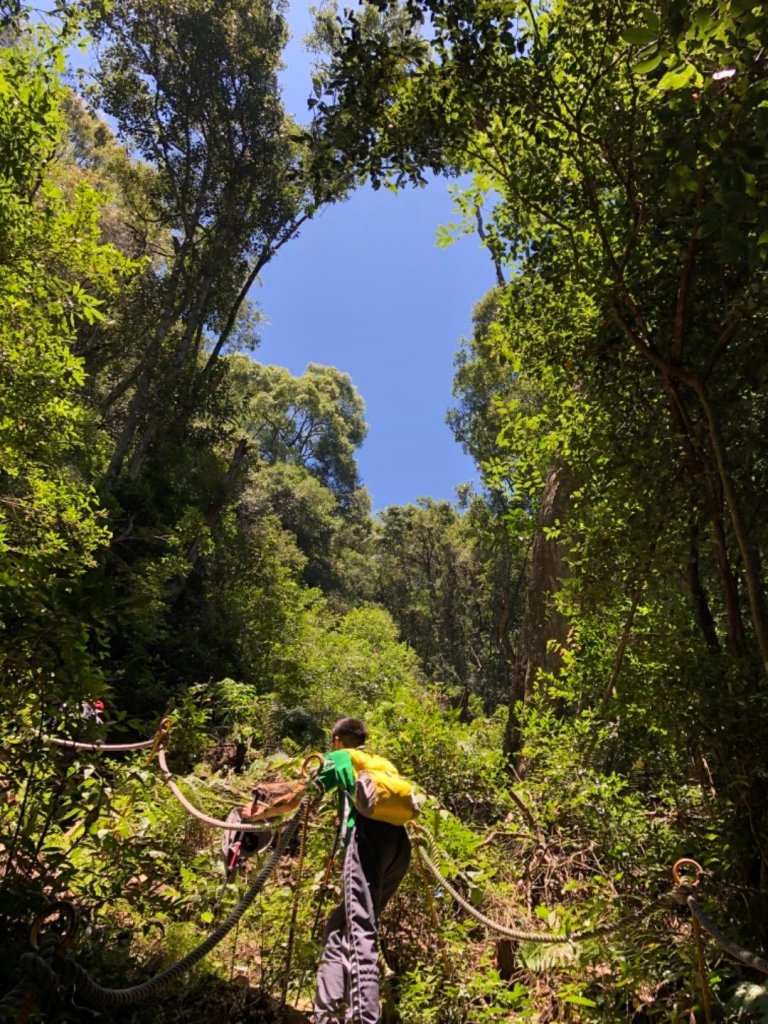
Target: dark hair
column 351, row 732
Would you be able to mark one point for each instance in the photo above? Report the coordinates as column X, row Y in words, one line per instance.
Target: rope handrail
column 240, row 826
column 686, row 883
column 425, row 839
column 750, row 959
column 37, row 966
column 507, row 932
column 156, row 743
column 38, row 969
column 58, row 741
column 425, row 843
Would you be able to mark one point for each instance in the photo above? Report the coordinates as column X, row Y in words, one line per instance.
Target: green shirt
column 337, row 773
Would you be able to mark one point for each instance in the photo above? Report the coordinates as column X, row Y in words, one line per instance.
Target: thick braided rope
column 94, row 994
column 425, row 839
column 448, row 964
column 758, row 963
column 240, row 826
column 18, row 1004
column 57, row 741
column 494, row 926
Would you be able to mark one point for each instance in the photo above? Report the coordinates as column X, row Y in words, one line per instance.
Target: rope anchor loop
column 688, row 879
column 159, row 738
column 66, row 914
column 306, row 770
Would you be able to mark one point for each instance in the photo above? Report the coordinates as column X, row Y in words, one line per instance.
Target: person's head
column 348, row 732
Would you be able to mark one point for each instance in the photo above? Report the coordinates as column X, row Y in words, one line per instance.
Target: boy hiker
column 376, row 858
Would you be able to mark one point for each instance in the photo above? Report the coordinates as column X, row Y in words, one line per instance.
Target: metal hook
column 64, row 909
column 163, row 730
column 687, row 862
column 308, row 761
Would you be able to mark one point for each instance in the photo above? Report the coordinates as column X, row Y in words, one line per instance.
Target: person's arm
column 262, row 806
column 258, row 809
column 329, row 776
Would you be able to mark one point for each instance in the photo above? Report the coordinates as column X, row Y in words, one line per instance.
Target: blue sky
column 365, row 288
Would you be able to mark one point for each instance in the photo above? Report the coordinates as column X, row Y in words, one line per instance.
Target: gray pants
column 347, row 990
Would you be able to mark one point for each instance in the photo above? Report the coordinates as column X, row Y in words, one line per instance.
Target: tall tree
column 315, row 421
column 506, row 419
column 638, row 291
column 207, row 178
column 55, row 275
column 193, row 90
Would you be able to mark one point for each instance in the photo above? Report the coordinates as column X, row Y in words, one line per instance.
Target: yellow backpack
column 381, row 792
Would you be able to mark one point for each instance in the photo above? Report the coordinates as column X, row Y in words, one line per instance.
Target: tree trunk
column 176, row 296
column 702, row 611
column 750, row 556
column 699, row 467
column 542, row 622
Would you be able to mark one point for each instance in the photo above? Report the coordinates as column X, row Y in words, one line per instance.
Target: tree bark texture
column 542, row 623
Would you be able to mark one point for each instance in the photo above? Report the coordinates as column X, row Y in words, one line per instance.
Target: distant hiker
column 92, row 711
column 89, row 713
column 375, row 801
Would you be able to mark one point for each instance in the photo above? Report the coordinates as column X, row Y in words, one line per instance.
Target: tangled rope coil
column 47, row 975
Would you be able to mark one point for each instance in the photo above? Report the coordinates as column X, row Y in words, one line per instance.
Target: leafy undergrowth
column 569, row 850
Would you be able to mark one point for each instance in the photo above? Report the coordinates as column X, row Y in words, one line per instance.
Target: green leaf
column 742, row 6
column 650, row 18
column 638, row 36
column 679, row 77
column 650, row 64
column 578, row 1000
